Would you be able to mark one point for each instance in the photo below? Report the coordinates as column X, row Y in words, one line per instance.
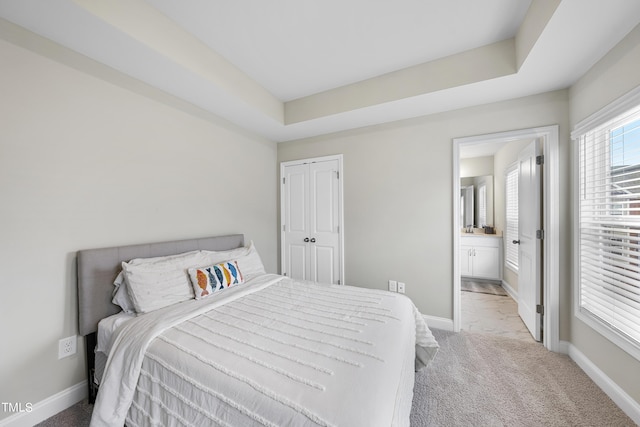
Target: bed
column 246, row 347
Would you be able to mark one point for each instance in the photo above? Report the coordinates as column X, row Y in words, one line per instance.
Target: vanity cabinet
column 481, row 256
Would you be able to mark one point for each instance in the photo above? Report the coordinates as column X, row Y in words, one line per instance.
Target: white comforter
column 270, row 352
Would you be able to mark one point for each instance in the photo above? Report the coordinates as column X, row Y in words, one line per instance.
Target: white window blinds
column 511, row 216
column 609, row 223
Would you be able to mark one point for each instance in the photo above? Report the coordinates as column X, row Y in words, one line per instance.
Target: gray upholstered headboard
column 98, row 268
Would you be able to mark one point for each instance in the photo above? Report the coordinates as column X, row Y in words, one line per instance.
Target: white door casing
column 529, row 246
column 311, row 216
column 550, row 137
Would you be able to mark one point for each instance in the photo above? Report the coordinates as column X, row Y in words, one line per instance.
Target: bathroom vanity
column 481, row 255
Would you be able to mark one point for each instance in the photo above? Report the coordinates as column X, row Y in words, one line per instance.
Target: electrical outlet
column 401, row 287
column 67, row 347
column 393, row 286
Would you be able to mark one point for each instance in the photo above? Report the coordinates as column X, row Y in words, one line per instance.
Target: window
column 608, row 234
column 511, row 217
column 482, row 205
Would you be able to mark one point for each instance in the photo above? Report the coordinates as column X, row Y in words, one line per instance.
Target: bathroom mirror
column 476, row 201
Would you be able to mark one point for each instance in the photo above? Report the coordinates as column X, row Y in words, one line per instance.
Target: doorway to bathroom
column 482, row 243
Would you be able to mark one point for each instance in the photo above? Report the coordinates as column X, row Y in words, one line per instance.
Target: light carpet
column 487, row 380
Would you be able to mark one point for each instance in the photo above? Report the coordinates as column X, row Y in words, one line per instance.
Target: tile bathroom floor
column 492, row 314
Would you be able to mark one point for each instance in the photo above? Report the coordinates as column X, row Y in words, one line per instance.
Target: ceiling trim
column 132, row 44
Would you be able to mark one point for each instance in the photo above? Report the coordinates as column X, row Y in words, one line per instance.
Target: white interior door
column 324, row 222
column 530, row 248
column 311, row 217
column 295, row 196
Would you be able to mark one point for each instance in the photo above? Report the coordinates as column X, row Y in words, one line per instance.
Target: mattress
column 272, row 351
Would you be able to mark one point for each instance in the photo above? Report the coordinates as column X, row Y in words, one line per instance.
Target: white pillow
column 248, row 260
column 157, row 284
column 121, row 295
column 121, row 292
column 251, row 264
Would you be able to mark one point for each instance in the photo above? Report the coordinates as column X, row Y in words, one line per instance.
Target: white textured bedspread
column 272, row 352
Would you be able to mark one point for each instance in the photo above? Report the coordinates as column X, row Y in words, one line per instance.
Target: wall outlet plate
column 67, row 347
column 401, row 287
column 393, row 286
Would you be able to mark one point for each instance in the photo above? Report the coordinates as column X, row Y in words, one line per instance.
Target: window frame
column 599, row 120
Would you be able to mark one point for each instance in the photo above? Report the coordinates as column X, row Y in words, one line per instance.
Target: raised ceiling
column 289, row 69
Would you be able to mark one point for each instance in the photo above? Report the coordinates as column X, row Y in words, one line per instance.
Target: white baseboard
column 438, row 322
column 512, row 292
column 628, row 405
column 37, row 412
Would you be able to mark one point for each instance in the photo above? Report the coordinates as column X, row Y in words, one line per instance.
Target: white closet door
column 311, row 204
column 324, row 222
column 296, row 220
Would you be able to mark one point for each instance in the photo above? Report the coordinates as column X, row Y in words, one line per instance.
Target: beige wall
column 613, row 76
column 476, row 166
column 398, row 189
column 86, row 164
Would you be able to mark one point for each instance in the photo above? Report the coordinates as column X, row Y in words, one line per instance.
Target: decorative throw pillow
column 207, row 280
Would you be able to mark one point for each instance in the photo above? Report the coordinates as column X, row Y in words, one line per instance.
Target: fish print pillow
column 207, row 280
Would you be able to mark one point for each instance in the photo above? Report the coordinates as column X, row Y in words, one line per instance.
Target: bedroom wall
column 476, row 166
column 398, row 189
column 85, row 163
column 613, row 76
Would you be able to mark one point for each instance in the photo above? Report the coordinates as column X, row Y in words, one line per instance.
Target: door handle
column 306, row 239
column 516, row 242
column 313, row 240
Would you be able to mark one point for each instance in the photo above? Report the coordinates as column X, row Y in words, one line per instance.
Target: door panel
column 296, row 219
column 323, row 264
column 530, row 249
column 323, row 202
column 296, row 212
column 324, row 219
column 298, row 264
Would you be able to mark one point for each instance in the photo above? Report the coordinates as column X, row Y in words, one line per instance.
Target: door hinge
column 337, row 174
column 540, row 234
column 540, row 160
column 283, row 180
column 338, row 281
column 540, row 309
